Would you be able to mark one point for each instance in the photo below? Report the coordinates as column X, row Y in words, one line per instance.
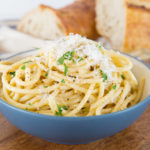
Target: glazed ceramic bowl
column 77, row 130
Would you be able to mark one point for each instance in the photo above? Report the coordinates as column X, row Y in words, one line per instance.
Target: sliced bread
column 48, row 23
column 125, row 23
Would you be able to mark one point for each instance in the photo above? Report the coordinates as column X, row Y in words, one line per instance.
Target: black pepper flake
column 72, row 76
column 56, row 82
column 91, row 68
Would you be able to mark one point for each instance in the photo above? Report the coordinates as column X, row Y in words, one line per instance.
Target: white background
column 14, row 9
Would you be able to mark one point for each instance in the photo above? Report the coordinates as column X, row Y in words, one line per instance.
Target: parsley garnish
column 104, row 75
column 84, row 109
column 62, row 81
column 100, row 45
column 60, row 61
column 80, row 59
column 45, row 86
column 122, row 76
column 64, row 107
column 65, row 69
column 59, row 112
column 12, row 73
column 74, row 61
column 23, row 67
column 27, row 62
column 114, row 86
column 46, row 74
column 69, row 55
column 30, row 104
column 60, row 109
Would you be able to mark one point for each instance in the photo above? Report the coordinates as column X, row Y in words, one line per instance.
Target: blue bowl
column 77, row 130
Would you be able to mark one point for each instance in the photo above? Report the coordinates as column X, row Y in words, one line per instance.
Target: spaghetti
column 74, row 76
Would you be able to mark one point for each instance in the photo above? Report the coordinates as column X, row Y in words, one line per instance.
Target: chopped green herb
column 69, row 55
column 80, row 59
column 46, row 74
column 114, row 86
column 45, row 86
column 23, row 67
column 122, row 76
column 27, row 62
column 65, row 69
column 60, row 109
column 38, row 56
column 59, row 112
column 100, row 45
column 104, row 75
column 62, row 81
column 101, row 71
column 12, row 73
column 84, row 109
column 74, row 61
column 65, row 107
column 30, row 104
column 60, row 61
column 26, row 109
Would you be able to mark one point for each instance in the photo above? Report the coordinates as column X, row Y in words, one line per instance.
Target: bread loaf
column 126, row 23
column 48, row 23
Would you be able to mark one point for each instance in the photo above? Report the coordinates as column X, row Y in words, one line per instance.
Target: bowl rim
column 44, row 116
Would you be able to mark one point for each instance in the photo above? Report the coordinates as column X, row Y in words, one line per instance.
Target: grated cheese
column 83, row 47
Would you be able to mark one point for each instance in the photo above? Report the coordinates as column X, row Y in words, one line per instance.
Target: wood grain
column 135, row 137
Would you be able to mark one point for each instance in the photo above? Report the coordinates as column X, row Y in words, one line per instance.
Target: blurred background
column 95, row 20
column 15, row 9
column 11, row 11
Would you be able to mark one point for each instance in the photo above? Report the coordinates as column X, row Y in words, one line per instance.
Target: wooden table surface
column 135, row 137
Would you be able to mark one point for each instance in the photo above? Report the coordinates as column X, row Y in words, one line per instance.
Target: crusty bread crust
column 53, row 11
column 78, row 17
column 98, row 27
column 137, row 29
column 145, row 3
column 32, row 23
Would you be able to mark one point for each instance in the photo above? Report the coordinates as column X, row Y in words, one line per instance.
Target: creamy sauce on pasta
column 73, row 76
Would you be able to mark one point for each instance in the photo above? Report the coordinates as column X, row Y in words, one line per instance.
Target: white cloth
column 14, row 41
